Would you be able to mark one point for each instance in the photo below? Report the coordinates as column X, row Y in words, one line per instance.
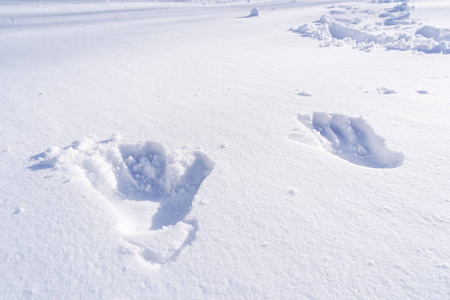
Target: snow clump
column 254, row 13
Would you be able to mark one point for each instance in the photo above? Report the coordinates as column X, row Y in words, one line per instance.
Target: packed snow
column 224, row 149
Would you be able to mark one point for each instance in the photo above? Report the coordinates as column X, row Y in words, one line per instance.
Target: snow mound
column 349, row 138
column 254, row 12
column 149, row 187
column 391, row 28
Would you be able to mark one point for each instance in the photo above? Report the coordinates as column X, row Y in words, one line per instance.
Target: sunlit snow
column 290, row 149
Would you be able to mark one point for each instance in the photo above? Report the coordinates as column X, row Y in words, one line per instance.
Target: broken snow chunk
column 325, row 19
column 386, row 91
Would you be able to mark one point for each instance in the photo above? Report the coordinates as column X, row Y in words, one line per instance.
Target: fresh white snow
column 184, row 150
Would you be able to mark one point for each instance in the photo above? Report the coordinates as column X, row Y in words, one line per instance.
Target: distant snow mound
column 351, row 139
column 152, row 188
column 393, row 29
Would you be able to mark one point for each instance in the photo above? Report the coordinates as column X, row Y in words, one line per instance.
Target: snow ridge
column 136, row 178
column 391, row 28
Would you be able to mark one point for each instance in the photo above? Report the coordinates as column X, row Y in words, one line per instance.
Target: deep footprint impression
column 349, row 138
column 152, row 190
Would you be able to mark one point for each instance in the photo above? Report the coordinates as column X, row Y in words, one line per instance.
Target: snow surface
column 180, row 150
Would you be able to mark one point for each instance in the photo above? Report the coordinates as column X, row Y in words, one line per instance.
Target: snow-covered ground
column 224, row 149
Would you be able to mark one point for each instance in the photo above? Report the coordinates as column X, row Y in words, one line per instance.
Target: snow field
column 274, row 218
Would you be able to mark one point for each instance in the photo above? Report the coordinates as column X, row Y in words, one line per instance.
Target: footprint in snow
column 153, row 190
column 349, row 138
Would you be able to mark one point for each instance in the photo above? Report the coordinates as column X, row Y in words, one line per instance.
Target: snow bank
column 135, row 177
column 393, row 29
column 351, row 139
